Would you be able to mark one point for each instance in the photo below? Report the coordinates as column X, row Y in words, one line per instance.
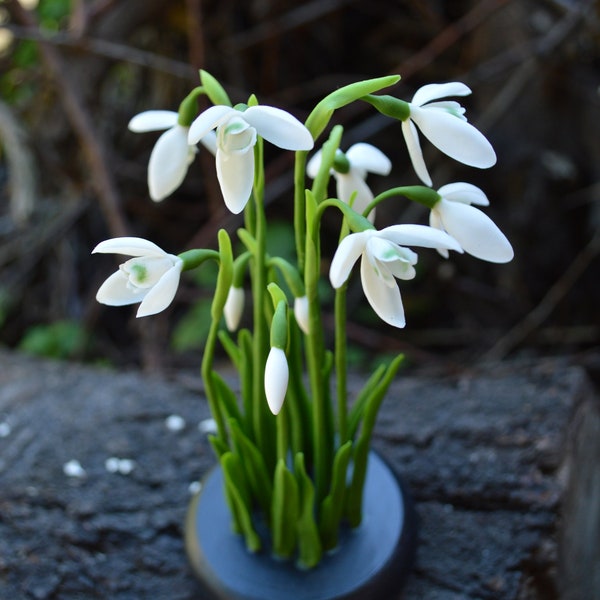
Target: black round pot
column 370, row 563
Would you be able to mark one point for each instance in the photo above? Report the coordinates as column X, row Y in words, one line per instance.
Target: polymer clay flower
column 171, row 155
column 385, row 258
column 477, row 234
column 277, row 375
column 234, row 307
column 151, row 277
column 350, row 171
column 236, row 136
column 444, row 124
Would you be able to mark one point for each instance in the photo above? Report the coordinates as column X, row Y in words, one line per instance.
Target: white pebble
column 5, row 429
column 175, row 423
column 73, row 468
column 124, row 466
column 208, row 426
column 194, row 487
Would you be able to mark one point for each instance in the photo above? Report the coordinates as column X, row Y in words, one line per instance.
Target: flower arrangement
column 293, row 447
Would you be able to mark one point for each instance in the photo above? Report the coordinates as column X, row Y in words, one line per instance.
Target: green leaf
column 214, row 90
column 332, row 507
column 361, row 450
column 322, row 113
column 225, row 276
column 238, row 499
column 227, row 397
column 310, row 549
column 257, row 475
column 285, row 511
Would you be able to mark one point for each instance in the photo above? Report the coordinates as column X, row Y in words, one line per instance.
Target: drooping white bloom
column 171, row 155
column 276, row 379
column 362, row 158
column 385, row 257
column 444, row 124
column 151, row 277
column 236, row 137
column 301, row 313
column 234, row 307
column 477, row 234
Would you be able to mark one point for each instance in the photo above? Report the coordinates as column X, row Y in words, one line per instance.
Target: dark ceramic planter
column 370, row 563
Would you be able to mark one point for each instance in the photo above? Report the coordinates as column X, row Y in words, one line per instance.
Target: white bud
column 276, row 379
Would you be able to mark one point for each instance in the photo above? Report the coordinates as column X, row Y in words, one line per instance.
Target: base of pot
column 371, row 561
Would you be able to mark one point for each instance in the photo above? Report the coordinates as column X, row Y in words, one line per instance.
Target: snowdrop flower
column 276, row 379
column 384, row 257
column 151, row 277
column 301, row 313
column 443, row 123
column 234, row 307
column 171, row 155
column 236, row 136
column 477, row 234
column 350, row 174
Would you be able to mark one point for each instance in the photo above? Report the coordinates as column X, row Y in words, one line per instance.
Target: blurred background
column 73, row 72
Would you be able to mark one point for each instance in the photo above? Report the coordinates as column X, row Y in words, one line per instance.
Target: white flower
column 151, row 277
column 363, row 159
column 171, row 155
column 384, row 257
column 477, row 234
column 236, row 137
column 276, row 379
column 234, row 307
column 301, row 313
column 443, row 123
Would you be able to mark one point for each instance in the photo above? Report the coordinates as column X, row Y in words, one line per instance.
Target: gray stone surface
column 486, row 455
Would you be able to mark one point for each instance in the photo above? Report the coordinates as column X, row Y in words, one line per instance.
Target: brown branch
column 82, row 125
column 547, row 304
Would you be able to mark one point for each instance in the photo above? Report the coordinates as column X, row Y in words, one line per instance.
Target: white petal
column 348, row 184
column 234, row 307
column 385, row 300
column 153, row 120
column 455, row 137
column 209, row 141
column 347, row 253
column 434, row 91
column 369, row 158
column 235, row 173
column 115, row 291
column 162, row 294
column 464, row 192
column 301, row 313
column 411, row 137
column 314, row 164
column 207, row 120
column 276, row 379
column 279, row 127
column 419, row 235
column 131, row 246
column 435, row 221
column 475, row 232
column 168, row 163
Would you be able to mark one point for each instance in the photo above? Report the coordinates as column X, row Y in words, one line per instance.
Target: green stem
column 340, row 363
column 207, row 377
column 300, row 208
column 259, row 291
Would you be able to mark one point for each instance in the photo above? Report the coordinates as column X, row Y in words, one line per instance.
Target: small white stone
column 208, row 426
column 126, row 465
column 194, row 487
column 5, row 429
column 73, row 468
column 175, row 423
column 112, row 464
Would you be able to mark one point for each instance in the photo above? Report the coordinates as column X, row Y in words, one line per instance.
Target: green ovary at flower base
column 284, row 448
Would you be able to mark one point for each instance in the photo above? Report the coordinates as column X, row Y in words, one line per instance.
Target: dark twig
column 82, row 125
